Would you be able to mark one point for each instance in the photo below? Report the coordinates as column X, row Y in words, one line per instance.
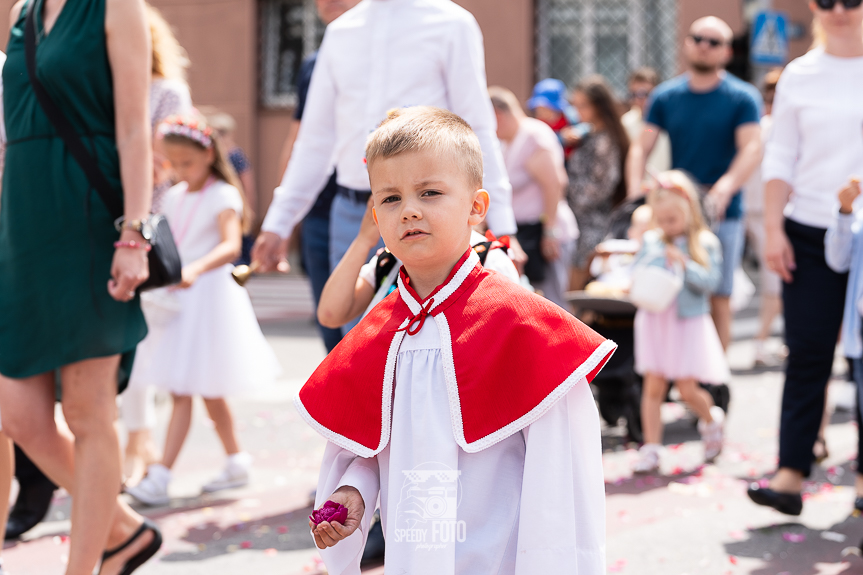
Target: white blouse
column 817, row 139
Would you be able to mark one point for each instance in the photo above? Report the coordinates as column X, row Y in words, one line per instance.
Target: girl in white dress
column 204, row 339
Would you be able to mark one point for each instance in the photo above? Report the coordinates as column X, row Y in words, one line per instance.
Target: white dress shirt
column 817, row 139
column 380, row 55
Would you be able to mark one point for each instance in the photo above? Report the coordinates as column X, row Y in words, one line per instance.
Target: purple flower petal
column 331, row 512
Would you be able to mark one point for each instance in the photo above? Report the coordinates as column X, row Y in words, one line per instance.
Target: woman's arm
column 227, row 251
column 346, row 295
column 777, row 248
column 552, row 180
column 128, row 42
column 15, row 13
column 777, row 169
column 636, row 162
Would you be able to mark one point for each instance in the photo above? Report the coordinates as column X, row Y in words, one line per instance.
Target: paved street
column 695, row 519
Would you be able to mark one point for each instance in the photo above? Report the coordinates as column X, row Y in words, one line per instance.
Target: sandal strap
column 147, row 525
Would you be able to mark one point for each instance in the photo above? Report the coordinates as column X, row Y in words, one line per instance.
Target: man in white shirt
column 380, row 55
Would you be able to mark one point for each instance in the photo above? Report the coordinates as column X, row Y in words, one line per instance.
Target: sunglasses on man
column 830, row 4
column 712, row 42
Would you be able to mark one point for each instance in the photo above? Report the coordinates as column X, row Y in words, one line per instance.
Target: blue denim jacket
column 699, row 282
column 843, row 249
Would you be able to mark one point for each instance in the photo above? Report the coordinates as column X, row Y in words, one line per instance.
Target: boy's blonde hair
column 676, row 186
column 427, row 129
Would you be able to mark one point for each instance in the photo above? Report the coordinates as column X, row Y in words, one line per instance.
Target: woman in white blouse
column 815, row 147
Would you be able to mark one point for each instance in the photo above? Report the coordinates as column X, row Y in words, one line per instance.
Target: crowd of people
column 462, row 191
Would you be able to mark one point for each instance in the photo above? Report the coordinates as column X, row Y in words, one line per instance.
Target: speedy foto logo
column 427, row 513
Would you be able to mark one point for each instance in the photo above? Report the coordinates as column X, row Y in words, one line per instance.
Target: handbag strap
column 64, row 127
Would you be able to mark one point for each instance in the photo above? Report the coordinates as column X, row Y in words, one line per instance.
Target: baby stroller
column 618, row 386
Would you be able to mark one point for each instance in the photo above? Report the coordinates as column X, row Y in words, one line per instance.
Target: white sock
column 241, row 459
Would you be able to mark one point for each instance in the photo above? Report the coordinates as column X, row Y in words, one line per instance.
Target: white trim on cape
column 386, row 406
column 599, row 354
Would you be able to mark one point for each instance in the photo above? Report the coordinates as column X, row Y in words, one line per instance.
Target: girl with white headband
column 204, row 339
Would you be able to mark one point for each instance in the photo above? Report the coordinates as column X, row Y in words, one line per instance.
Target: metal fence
column 575, row 38
column 290, row 31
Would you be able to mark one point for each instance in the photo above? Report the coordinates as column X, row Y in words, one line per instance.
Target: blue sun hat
column 549, row 93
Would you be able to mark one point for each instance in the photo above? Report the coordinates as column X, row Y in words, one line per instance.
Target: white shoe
column 235, row 474
column 153, row 489
column 762, row 358
column 648, row 459
column 712, row 434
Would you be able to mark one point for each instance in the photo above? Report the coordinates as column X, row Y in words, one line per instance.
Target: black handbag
column 164, row 259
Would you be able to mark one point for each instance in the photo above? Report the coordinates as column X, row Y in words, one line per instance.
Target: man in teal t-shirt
column 712, row 120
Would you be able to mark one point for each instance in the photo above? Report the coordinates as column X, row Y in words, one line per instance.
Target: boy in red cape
column 462, row 400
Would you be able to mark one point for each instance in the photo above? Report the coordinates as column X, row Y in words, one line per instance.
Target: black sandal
column 144, row 555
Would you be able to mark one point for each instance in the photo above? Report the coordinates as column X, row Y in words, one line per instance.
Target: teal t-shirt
column 701, row 126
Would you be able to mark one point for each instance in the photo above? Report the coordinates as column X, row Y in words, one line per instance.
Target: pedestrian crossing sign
column 769, row 39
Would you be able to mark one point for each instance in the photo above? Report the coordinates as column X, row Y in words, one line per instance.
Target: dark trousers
column 813, row 303
column 857, row 372
column 26, row 471
column 316, row 259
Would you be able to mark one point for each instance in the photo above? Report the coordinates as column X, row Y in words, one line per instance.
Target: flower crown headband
column 188, row 128
column 666, row 184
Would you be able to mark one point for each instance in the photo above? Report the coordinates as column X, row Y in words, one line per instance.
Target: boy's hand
column 848, row 194
column 369, row 232
column 328, row 534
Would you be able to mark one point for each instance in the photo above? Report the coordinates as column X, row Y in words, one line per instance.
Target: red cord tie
column 421, row 316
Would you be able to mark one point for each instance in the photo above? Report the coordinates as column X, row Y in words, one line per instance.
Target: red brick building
column 244, row 53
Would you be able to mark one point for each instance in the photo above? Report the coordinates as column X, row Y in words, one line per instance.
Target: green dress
column 56, row 235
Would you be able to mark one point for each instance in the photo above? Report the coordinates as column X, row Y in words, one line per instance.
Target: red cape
column 508, row 356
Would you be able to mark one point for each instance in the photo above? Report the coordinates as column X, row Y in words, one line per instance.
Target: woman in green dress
column 67, row 296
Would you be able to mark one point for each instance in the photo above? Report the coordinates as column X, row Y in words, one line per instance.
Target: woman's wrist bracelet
column 134, row 245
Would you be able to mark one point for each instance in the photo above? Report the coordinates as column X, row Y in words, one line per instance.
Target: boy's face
column 425, row 208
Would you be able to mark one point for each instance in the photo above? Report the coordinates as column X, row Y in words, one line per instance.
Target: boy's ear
column 479, row 209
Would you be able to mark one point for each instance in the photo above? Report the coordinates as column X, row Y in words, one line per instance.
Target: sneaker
column 153, row 489
column 762, row 358
column 648, row 459
column 712, row 433
column 235, row 474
